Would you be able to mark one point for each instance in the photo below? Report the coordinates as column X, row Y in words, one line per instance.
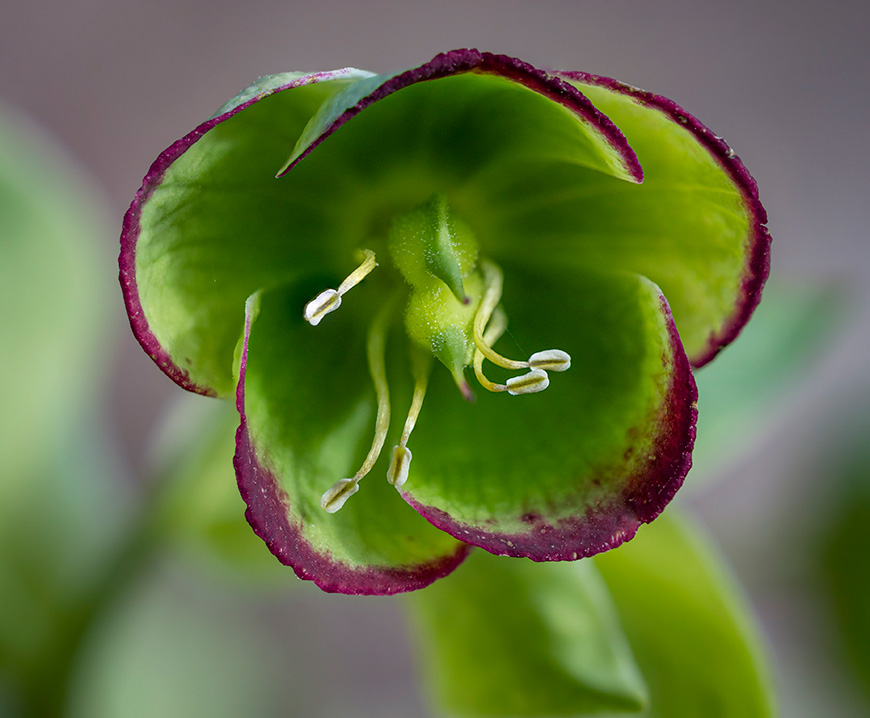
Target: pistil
column 550, row 359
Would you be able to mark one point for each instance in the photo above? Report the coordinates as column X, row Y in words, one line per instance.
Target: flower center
column 453, row 313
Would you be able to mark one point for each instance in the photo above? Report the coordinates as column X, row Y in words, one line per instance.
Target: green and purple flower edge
column 758, row 257
column 605, row 522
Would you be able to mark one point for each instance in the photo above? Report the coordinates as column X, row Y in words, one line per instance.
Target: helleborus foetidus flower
column 473, row 221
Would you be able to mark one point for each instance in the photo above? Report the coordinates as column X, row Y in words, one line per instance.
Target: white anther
column 335, row 496
column 536, row 380
column 397, row 474
column 327, row 301
column 330, row 299
column 550, row 360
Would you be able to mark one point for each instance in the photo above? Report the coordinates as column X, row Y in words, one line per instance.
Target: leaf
column 54, row 296
column 508, row 637
column 843, row 566
column 57, row 504
column 687, row 624
column 174, row 649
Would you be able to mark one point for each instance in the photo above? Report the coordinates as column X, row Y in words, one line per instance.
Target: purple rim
column 443, row 65
column 758, row 257
column 131, row 228
column 267, row 513
column 605, row 526
column 458, row 62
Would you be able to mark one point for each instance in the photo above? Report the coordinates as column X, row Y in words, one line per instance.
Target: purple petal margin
column 605, row 526
column 758, row 255
column 268, row 512
column 131, row 229
column 457, row 62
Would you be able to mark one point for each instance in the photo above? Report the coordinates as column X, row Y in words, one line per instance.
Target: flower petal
column 306, row 421
column 695, row 226
column 574, row 470
column 211, row 225
column 604, row 146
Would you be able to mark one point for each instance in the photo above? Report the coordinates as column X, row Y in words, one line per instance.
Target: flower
column 418, row 217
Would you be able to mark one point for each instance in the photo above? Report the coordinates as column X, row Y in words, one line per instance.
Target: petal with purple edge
column 208, row 222
column 695, row 226
column 306, row 411
column 575, row 470
column 211, row 224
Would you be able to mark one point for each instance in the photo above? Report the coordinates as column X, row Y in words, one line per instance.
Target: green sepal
column 504, row 637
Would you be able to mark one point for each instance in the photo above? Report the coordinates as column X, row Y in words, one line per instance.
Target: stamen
column 333, row 499
column 494, row 330
column 549, row 359
column 536, row 380
column 330, row 299
column 493, row 281
column 397, row 474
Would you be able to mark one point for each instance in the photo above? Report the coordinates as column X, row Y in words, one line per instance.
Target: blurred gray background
column 784, row 82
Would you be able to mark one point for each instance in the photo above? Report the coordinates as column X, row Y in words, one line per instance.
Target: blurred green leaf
column 687, row 624
column 173, row 649
column 845, row 567
column 58, row 502
column 743, row 390
column 53, row 298
column 509, row 637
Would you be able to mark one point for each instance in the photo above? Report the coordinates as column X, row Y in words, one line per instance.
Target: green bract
column 471, row 224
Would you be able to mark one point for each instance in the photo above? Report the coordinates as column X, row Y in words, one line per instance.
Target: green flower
column 470, row 221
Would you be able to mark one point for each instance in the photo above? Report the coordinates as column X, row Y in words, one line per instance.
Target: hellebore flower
column 413, row 219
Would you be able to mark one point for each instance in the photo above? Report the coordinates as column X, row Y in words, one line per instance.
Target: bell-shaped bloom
column 452, row 308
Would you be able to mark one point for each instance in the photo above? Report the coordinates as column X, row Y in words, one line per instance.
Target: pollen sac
column 337, row 494
column 327, row 301
column 400, row 465
column 534, row 381
column 550, row 360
